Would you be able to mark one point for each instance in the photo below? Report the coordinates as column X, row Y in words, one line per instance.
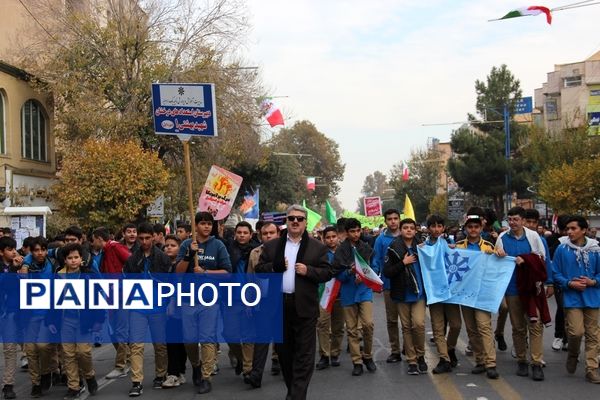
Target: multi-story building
column 571, row 96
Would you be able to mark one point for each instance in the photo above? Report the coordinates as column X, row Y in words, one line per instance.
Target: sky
column 369, row 74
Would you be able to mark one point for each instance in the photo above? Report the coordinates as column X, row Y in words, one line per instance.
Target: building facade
column 570, row 97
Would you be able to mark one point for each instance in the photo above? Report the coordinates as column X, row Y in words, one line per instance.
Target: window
column 33, row 128
column 573, row 81
column 2, row 124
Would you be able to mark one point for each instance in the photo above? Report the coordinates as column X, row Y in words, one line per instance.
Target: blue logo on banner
column 456, row 266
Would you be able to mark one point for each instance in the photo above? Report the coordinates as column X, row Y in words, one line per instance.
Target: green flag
column 330, row 213
column 312, row 217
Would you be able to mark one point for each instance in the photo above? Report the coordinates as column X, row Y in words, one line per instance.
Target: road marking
column 443, row 382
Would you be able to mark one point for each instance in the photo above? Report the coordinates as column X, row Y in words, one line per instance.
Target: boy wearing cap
column 479, row 322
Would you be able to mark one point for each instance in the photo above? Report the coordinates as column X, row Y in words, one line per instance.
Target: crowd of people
column 571, row 269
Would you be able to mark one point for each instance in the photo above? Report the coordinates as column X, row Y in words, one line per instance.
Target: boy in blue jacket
column 576, row 269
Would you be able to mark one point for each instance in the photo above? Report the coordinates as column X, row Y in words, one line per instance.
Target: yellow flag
column 408, row 211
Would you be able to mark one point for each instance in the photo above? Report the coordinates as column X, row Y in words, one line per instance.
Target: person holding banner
column 356, row 295
column 517, row 241
column 330, row 325
column 407, row 291
column 303, row 263
column 479, row 322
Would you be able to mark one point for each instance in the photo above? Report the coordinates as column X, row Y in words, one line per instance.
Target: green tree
column 107, row 182
column 439, row 205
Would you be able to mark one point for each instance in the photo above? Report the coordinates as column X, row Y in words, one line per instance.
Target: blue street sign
column 524, row 105
column 184, row 109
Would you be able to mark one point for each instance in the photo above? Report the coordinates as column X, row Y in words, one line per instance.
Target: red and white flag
column 404, row 171
column 366, row 273
column 310, row 183
column 329, row 294
column 272, row 113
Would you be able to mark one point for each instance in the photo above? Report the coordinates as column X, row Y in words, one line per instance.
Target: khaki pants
column 37, row 351
column 208, row 353
column 330, row 330
column 77, row 357
column 412, row 317
column 501, row 320
column 391, row 316
column 580, row 322
column 138, row 325
column 9, row 323
column 137, row 361
column 248, row 356
column 479, row 330
column 521, row 326
column 362, row 312
column 441, row 313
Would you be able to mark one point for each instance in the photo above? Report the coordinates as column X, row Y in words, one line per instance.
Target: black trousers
column 176, row 354
column 559, row 317
column 297, row 352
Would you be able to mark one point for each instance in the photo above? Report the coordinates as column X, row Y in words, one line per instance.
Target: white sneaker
column 117, row 373
column 557, row 344
column 182, row 379
column 24, row 362
column 171, row 381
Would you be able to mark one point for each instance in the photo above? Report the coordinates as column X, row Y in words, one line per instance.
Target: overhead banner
column 184, row 109
column 219, row 192
column 372, row 206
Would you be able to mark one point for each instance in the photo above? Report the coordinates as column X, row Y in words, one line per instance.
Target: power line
column 40, row 24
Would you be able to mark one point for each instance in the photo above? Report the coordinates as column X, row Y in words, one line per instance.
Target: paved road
column 389, row 381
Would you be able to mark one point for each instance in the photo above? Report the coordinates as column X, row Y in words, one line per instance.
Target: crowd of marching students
column 571, row 259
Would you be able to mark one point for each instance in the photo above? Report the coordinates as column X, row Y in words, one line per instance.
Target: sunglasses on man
column 292, row 218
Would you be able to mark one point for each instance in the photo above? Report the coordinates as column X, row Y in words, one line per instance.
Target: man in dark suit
column 304, row 264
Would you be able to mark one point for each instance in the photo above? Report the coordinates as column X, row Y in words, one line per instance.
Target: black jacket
column 401, row 276
column 313, row 254
column 159, row 262
column 239, row 252
column 344, row 255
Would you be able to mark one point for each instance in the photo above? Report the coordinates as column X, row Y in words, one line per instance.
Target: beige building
column 571, row 96
column 27, row 157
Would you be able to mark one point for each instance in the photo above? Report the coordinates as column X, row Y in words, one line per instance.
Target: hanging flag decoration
column 249, row 207
column 404, row 171
column 310, row 183
column 527, row 12
column 272, row 113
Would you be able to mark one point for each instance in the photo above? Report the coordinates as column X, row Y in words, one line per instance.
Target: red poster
column 372, row 206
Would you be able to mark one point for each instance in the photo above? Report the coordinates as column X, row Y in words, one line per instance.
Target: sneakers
column 8, row 392
column 335, row 361
column 592, row 376
column 181, row 379
column 394, row 358
column 24, row 363
column 442, row 367
column 92, row 385
column 158, row 382
column 557, row 344
column 523, row 369
column 117, row 373
column 370, row 364
column 492, row 373
column 571, row 364
column 171, row 382
column 501, row 342
column 413, row 369
column 205, row 387
column 422, row 365
column 479, row 369
column 453, row 358
column 74, row 393
column 323, row 363
column 136, row 389
column 357, row 370
column 537, row 373
column 275, row 367
column 36, row 391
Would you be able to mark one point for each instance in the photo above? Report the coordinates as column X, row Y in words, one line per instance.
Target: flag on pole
column 529, row 11
column 366, row 273
column 310, row 183
column 312, row 217
column 404, row 171
column 168, row 227
column 272, row 113
column 249, row 207
column 330, row 213
column 408, row 211
column 329, row 293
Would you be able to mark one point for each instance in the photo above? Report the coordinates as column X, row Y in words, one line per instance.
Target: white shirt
column 288, row 284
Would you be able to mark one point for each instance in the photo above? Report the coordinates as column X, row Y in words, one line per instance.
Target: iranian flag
column 366, row 273
column 530, row 11
column 404, row 171
column 272, row 113
column 310, row 183
column 329, row 294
